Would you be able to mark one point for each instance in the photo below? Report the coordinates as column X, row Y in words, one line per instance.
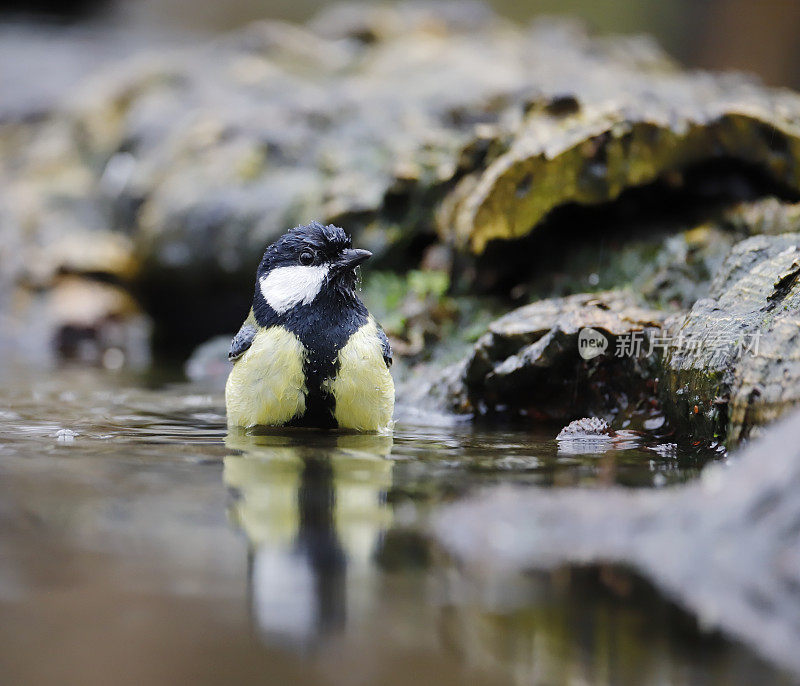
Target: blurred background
column 758, row 37
column 151, row 149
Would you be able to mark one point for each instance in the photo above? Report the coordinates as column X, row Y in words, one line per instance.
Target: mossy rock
column 735, row 360
column 605, row 123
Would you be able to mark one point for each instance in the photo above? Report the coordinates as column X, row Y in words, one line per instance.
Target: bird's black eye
column 306, row 258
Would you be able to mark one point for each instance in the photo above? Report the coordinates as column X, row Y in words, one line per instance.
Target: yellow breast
column 363, row 387
column 266, row 385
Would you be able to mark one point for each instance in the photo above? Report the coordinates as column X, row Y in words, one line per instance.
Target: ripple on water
column 305, row 549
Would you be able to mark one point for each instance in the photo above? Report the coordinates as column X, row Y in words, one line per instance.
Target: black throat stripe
column 323, row 327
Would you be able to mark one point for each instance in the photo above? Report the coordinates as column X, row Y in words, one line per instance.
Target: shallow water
column 143, row 543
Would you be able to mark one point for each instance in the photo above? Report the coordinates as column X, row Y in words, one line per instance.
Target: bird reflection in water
column 313, row 507
column 327, row 556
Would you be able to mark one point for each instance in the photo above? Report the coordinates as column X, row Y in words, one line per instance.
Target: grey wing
column 385, row 347
column 242, row 341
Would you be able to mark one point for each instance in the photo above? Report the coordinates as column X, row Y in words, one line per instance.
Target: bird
column 309, row 354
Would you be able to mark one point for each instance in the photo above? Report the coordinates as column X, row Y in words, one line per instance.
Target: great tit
column 309, row 353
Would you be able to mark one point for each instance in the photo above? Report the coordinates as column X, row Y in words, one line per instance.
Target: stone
column 582, row 428
column 586, row 140
column 530, row 361
column 726, row 547
column 77, row 319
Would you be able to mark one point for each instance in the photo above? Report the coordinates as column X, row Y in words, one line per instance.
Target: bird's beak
column 352, row 257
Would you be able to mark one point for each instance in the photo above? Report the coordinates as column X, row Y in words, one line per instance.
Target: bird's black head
column 304, row 263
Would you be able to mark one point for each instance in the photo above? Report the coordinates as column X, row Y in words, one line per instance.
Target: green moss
column 601, row 155
column 417, row 311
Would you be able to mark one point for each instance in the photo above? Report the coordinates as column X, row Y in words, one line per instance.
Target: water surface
column 143, row 543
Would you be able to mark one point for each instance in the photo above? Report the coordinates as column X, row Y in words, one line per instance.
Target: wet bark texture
column 735, row 360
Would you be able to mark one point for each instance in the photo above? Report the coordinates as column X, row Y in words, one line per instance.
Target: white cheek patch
column 285, row 287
